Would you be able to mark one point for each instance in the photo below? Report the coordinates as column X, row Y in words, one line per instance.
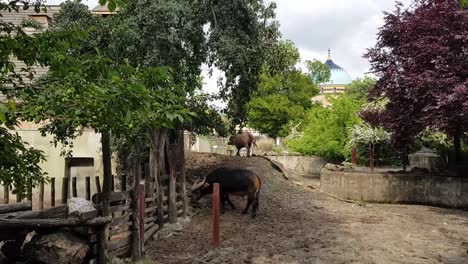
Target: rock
column 176, row 227
column 163, row 234
column 333, row 167
column 271, row 153
column 185, row 222
column 78, row 206
column 347, row 165
column 60, row 247
column 226, row 251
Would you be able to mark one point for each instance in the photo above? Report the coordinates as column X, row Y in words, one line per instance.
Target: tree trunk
column 183, row 186
column 106, row 189
column 136, row 248
column 157, row 168
column 354, row 156
column 371, row 157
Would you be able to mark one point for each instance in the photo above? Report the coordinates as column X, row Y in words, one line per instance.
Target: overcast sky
column 347, row 27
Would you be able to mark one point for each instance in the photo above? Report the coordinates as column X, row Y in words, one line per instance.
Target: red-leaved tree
column 421, row 59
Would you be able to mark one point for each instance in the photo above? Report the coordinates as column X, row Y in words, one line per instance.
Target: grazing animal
column 232, row 181
column 243, row 140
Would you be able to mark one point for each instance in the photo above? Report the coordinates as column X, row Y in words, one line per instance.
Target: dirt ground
column 297, row 224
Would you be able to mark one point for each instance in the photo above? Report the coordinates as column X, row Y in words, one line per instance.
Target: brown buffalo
column 232, row 181
column 243, row 140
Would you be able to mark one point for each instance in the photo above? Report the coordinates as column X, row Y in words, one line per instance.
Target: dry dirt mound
column 299, row 225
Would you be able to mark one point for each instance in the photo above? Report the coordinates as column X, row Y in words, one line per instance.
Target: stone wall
column 306, row 166
column 396, row 188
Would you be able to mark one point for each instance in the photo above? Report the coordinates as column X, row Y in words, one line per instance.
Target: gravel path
column 296, row 224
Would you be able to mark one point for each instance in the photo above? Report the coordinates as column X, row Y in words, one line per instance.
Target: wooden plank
column 52, row 192
column 98, row 184
column 65, row 186
column 41, row 195
column 6, row 194
column 51, row 223
column 150, row 224
column 122, row 220
column 88, row 188
column 119, row 252
column 118, row 208
column 150, row 209
column 16, row 207
column 150, row 219
column 150, row 232
column 118, row 243
column 113, row 196
column 121, row 229
column 74, row 190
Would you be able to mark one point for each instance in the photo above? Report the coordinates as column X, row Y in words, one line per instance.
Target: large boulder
column 61, row 247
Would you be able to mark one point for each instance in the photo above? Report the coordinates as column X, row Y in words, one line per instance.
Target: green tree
column 19, row 169
column 318, row 71
column 326, row 130
column 284, row 93
column 360, row 88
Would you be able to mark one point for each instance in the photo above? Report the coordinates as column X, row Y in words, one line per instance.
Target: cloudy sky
column 347, row 27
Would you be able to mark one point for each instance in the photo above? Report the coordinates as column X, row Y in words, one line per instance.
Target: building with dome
column 339, row 78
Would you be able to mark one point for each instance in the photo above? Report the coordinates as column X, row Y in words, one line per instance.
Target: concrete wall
column 88, row 145
column 394, row 188
column 306, row 166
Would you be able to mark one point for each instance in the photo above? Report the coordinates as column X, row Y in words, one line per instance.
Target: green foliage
column 319, row 72
column 326, row 130
column 19, row 163
column 360, row 88
column 19, row 169
column 206, row 118
column 281, row 102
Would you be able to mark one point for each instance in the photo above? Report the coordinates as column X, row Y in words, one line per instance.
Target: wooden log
column 119, row 208
column 98, row 184
column 41, row 195
column 51, row 223
column 113, row 196
column 60, row 211
column 6, row 194
column 121, row 229
column 150, row 232
column 216, row 202
column 65, row 187
column 8, row 208
column 148, row 225
column 74, row 190
column 88, row 187
column 141, row 216
column 52, row 192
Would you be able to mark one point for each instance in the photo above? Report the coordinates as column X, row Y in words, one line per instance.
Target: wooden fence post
column 74, row 190
column 216, row 202
column 98, row 184
column 6, row 194
column 123, row 183
column 30, row 190
column 142, row 215
column 354, row 156
column 88, row 187
column 136, row 249
column 41, row 195
column 52, row 192
column 65, row 187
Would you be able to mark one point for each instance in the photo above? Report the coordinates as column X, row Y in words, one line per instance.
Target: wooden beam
column 74, row 190
column 88, row 187
column 41, row 195
column 51, row 223
column 98, row 184
column 65, row 187
column 52, row 192
column 60, row 211
column 8, row 208
column 113, row 196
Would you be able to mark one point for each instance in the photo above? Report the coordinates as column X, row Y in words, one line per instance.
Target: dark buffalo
column 243, row 140
column 239, row 182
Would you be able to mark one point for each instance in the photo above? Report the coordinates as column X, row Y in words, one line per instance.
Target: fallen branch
column 8, row 208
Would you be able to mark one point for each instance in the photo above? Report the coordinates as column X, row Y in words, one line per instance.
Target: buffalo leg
column 250, row 200
column 238, row 152
column 255, row 205
column 248, row 151
column 230, row 202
